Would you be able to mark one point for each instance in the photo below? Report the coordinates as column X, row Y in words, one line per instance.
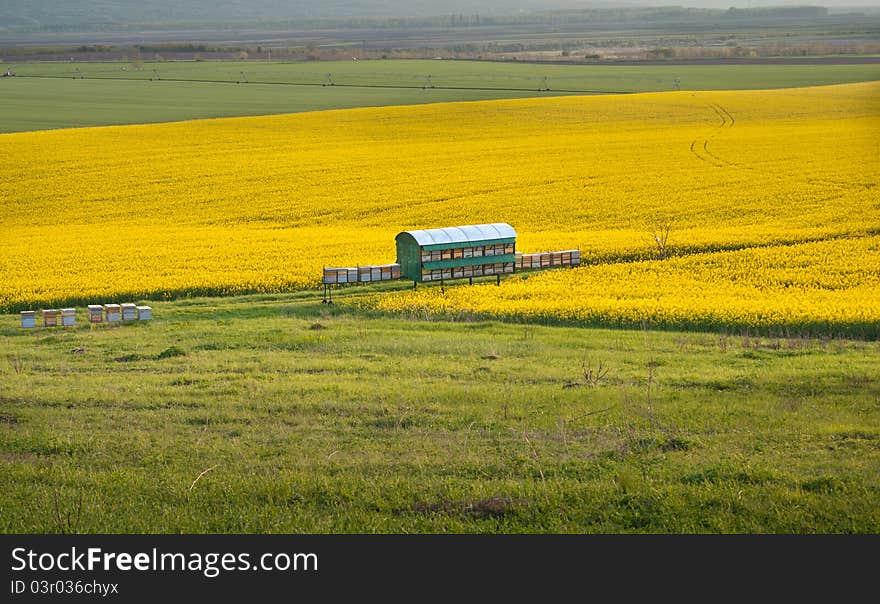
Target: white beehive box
column 129, row 311
column 96, row 313
column 68, row 317
column 145, row 313
column 113, row 313
column 364, row 273
column 28, row 318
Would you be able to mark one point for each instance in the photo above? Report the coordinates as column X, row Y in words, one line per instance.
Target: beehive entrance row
column 477, row 270
column 479, row 251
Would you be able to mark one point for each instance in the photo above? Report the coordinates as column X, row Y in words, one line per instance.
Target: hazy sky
column 747, row 3
column 706, row 3
column 41, row 12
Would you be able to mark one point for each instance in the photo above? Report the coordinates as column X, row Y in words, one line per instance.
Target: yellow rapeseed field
column 771, row 196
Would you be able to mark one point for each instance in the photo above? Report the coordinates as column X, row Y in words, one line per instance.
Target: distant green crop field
column 61, row 95
column 475, row 74
column 279, row 414
column 41, row 104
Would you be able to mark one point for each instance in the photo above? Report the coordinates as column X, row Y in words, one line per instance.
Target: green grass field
column 280, row 414
column 46, row 95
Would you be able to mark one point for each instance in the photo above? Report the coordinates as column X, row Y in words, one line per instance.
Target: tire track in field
column 727, row 122
column 700, row 145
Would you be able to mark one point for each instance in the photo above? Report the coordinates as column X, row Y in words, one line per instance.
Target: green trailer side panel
column 459, row 262
column 409, row 257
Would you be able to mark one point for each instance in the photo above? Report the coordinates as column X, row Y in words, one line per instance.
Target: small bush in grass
column 173, row 351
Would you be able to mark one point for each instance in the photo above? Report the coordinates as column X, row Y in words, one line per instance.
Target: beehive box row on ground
column 362, row 274
column 66, row 317
column 548, row 259
column 478, row 270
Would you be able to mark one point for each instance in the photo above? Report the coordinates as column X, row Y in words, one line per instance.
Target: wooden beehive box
column 50, row 317
column 145, row 313
column 96, row 313
column 112, row 313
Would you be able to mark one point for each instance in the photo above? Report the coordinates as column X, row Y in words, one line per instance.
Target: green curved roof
column 462, row 234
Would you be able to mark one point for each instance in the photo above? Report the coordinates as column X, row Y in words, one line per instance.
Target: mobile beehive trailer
column 457, row 252
column 461, row 252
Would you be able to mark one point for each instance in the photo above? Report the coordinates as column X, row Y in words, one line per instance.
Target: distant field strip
column 771, row 197
column 426, row 85
column 468, row 74
column 46, row 95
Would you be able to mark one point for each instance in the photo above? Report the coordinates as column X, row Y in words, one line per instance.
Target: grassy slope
column 34, row 104
column 387, row 425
